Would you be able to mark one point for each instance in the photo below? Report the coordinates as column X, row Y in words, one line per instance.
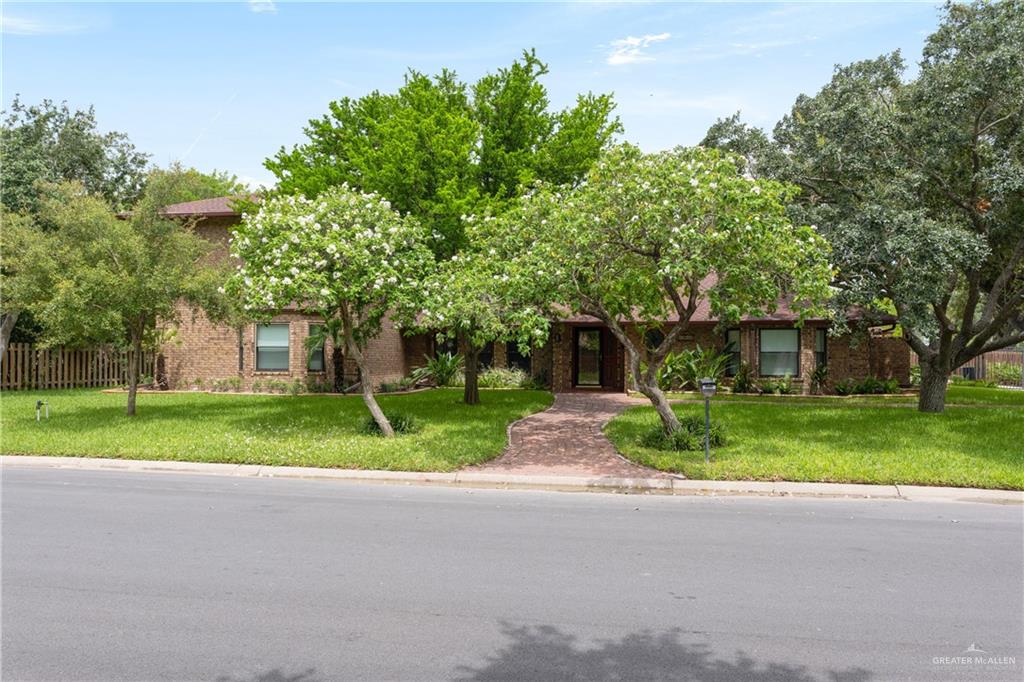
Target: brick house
column 580, row 354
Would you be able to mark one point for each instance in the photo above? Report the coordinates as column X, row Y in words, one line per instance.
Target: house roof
column 206, row 208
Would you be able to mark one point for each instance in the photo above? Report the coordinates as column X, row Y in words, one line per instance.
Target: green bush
column 316, row 384
column 499, row 377
column 1004, row 373
column 783, row 386
column 230, row 384
column 689, row 436
column 845, row 387
column 867, row 386
column 685, row 369
column 819, row 379
column 401, row 422
column 441, row 370
column 389, row 387
column 296, row 387
column 743, row 382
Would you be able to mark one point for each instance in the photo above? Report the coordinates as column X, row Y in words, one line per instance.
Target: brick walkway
column 566, row 440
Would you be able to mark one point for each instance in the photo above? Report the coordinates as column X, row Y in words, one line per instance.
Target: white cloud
column 25, row 26
column 262, row 6
column 630, row 50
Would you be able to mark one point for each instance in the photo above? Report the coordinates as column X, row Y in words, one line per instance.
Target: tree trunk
column 133, row 375
column 471, row 393
column 338, row 362
column 366, row 382
column 6, row 327
column 669, row 420
column 647, row 383
column 934, row 382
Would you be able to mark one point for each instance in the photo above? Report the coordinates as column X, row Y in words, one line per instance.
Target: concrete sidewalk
column 471, row 479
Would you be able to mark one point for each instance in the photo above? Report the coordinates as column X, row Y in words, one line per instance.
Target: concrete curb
column 505, row 481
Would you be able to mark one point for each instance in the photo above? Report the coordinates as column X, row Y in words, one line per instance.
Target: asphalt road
column 111, row 576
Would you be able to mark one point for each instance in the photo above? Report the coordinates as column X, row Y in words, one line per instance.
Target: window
column 780, row 352
column 517, row 359
column 272, row 347
column 486, row 358
column 732, row 350
column 315, row 362
column 820, row 347
column 653, row 339
column 446, row 345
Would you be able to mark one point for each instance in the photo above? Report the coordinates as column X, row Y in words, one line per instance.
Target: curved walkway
column 566, row 440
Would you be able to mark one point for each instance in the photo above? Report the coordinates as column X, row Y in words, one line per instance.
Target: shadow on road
column 275, row 676
column 545, row 653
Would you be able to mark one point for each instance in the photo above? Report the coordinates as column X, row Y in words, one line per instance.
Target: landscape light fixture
column 708, row 388
column 40, row 405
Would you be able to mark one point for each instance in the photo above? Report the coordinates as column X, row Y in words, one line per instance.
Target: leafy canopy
column 439, row 149
column 647, row 235
column 919, row 185
column 49, row 143
column 345, row 254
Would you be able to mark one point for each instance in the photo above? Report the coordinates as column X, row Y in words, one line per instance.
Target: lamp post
column 707, row 389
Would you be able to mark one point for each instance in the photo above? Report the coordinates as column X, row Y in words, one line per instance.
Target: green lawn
column 834, row 441
column 959, row 394
column 315, row 430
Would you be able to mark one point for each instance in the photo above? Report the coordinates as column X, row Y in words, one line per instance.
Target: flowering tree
column 646, row 236
column 477, row 298
column 347, row 255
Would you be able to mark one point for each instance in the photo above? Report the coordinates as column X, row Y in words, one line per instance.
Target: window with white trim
column 779, row 352
column 272, row 347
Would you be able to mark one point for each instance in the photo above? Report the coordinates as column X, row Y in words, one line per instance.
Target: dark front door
column 588, row 355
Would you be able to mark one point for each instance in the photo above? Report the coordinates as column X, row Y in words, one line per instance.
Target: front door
column 588, row 355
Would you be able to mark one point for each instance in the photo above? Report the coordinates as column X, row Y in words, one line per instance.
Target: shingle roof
column 218, row 206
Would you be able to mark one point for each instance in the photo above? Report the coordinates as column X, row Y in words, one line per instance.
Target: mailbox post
column 708, row 387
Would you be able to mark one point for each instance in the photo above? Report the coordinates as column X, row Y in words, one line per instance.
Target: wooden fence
column 983, row 366
column 26, row 367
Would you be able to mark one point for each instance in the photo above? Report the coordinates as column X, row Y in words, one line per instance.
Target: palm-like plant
column 330, row 330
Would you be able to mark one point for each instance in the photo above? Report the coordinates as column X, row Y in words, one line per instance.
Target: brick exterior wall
column 847, row 356
column 199, row 349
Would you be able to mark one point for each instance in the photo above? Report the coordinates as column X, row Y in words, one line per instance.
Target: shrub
column 533, row 383
column 389, row 387
column 296, row 387
column 743, row 382
column 317, row 384
column 405, row 383
column 845, row 387
column 276, row 386
column 441, row 370
column 686, row 368
column 783, row 386
column 499, row 377
column 257, row 386
column 401, row 422
column 230, row 384
column 689, row 436
column 1004, row 373
column 819, row 379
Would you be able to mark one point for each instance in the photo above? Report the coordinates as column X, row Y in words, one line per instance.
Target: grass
column 318, row 431
column 850, row 442
column 958, row 394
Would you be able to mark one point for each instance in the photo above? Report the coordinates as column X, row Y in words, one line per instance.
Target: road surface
column 127, row 576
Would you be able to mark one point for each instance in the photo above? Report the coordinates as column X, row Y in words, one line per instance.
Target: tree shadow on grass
column 546, row 653
column 275, row 675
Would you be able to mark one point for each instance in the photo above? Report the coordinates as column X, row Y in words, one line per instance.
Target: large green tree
column 648, row 236
column 347, row 255
column 120, row 277
column 50, row 143
column 918, row 183
column 439, row 149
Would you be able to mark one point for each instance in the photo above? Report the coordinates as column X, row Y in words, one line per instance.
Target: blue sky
column 224, row 85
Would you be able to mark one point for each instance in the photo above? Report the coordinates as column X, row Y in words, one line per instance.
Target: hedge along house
column 581, row 354
column 199, row 352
